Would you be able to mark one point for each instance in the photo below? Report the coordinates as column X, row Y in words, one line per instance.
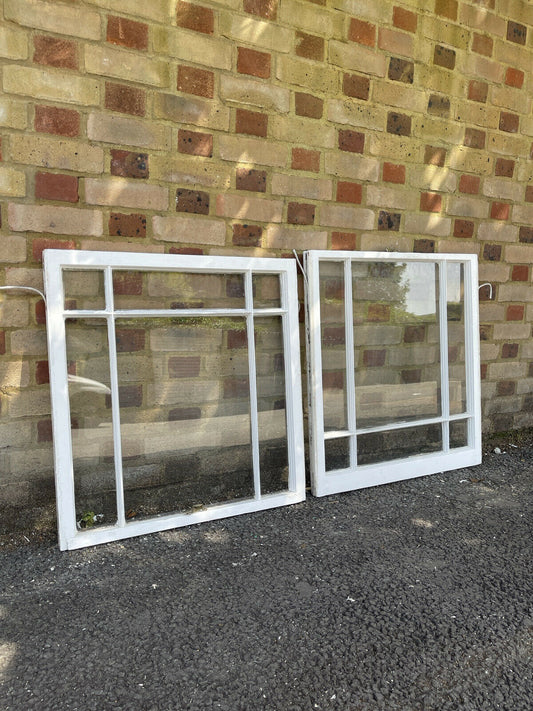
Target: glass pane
column 397, row 359
column 185, row 413
column 333, row 337
column 456, row 337
column 92, row 434
column 177, row 290
column 270, row 367
column 337, row 453
column 458, row 433
column 266, row 289
column 84, row 289
column 378, row 447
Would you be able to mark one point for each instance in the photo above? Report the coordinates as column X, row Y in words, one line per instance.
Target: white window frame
column 362, row 476
column 55, row 262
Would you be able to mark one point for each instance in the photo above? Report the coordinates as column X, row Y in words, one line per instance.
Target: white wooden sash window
column 176, row 392
column 394, row 384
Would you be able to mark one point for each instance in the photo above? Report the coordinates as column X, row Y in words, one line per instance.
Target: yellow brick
column 431, row 129
column 396, row 148
column 457, row 246
column 354, row 57
column 468, row 207
column 63, row 19
column 186, row 170
column 433, row 177
column 130, row 66
column 303, row 131
column 33, row 461
column 12, row 182
column 503, row 189
column 311, row 75
column 377, row 12
column 12, row 249
column 490, row 271
column 62, row 153
column 189, row 230
column 481, row 19
column 434, row 78
column 444, row 32
column 427, row 224
column 252, row 150
column 126, row 193
column 525, row 172
column 511, row 99
column 20, row 276
column 13, row 113
column 14, row 311
column 14, row 434
column 511, row 331
column 179, row 108
column 469, row 160
column 28, row 342
column 13, row 43
column 310, row 18
column 507, row 145
column 347, row 111
column 157, row 10
column 126, row 131
column 483, row 68
column 395, row 94
column 193, row 47
column 497, row 231
column 388, row 197
column 298, row 186
column 346, row 217
column 349, row 165
column 259, row 33
column 57, row 220
column 51, row 85
column 523, row 214
column 511, row 53
column 517, row 291
column 476, row 114
column 249, row 208
column 385, row 241
column 254, row 93
column 103, row 246
column 278, row 237
column 489, row 311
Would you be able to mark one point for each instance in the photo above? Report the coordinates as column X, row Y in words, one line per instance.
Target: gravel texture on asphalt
column 412, row 596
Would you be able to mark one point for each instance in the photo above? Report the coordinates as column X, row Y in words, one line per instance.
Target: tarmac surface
column 415, row 596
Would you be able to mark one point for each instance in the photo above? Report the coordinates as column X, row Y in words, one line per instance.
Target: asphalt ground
column 412, row 596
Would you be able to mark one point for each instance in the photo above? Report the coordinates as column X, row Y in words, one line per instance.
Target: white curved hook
column 24, row 288
column 487, row 283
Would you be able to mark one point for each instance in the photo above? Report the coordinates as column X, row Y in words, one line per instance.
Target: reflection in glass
column 333, row 338
column 458, row 433
column 376, row 447
column 92, row 433
column 83, row 289
column 456, row 337
column 177, row 290
column 271, row 406
column 337, row 453
column 397, row 360
column 266, row 291
column 185, row 413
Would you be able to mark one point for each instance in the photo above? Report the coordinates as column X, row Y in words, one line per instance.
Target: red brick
column 184, row 366
column 251, row 123
column 414, row 334
column 430, row 202
column 199, row 82
column 520, row 272
column 444, row 57
column 42, row 374
column 424, row 245
column 362, row 32
column 130, row 339
column 247, row 235
column 514, row 77
column 509, row 123
column 124, row 225
column 433, row 155
column 478, row 91
column 500, row 211
column 393, row 173
column 446, row 8
column 463, row 229
column 401, row 70
column 469, row 184
column 506, row 387
column 55, row 52
column 61, row 122
column 236, row 388
column 372, row 358
column 44, row 431
column 492, row 252
column 504, row 168
column 195, row 143
column 308, row 105
column 262, row 8
column 398, row 124
column 343, row 240
column 309, row 46
column 249, row 179
column 127, row 164
column 389, row 221
column 486, row 292
column 184, row 413
column 252, row 62
column 349, row 192
column 411, row 376
column 515, row 312
column 40, row 312
column 529, row 193
column 42, row 243
column 195, row 17
column 128, row 395
column 125, row 99
column 195, row 201
column 516, row 32
column 485, row 332
column 483, row 370
column 303, row 159
column 2, row 342
column 378, row 312
column 127, row 33
column 404, row 19
column 333, row 380
column 351, row 141
column 482, row 44
column 55, row 186
column 474, row 138
column 237, row 339
column 300, row 213
column 356, row 86
column 185, row 250
column 127, row 283
column 509, row 350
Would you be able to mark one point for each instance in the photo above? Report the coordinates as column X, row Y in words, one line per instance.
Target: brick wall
column 257, row 127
